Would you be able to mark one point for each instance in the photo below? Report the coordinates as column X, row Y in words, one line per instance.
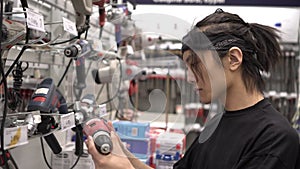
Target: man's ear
column 235, row 55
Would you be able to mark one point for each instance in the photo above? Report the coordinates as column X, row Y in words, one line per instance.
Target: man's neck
column 240, row 99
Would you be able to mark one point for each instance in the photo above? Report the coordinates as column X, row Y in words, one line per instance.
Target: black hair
column 259, row 44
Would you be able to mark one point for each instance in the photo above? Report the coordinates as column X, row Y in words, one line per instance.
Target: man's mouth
column 198, row 89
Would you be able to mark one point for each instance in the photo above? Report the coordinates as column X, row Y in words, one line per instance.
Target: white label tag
column 70, row 26
column 15, row 136
column 35, row 20
column 102, row 110
column 97, row 45
column 67, row 121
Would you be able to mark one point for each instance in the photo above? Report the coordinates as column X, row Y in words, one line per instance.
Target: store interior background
column 167, row 21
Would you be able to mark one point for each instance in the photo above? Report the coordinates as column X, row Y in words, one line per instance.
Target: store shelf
column 22, row 126
column 41, row 57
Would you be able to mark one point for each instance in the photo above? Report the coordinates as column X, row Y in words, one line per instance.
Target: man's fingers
column 110, row 126
column 117, row 144
column 91, row 146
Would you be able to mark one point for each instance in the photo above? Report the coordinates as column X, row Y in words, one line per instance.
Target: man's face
column 205, row 72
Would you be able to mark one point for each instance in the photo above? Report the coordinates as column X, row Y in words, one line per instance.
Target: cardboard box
column 140, row 147
column 132, row 129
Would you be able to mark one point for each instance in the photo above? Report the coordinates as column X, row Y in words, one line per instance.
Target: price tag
column 67, row 121
column 70, row 26
column 102, row 110
column 15, row 136
column 35, row 20
column 96, row 45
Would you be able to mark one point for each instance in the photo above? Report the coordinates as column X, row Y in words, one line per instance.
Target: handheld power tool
column 47, row 99
column 98, row 129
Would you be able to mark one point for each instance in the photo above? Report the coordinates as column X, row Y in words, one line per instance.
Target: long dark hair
column 259, row 44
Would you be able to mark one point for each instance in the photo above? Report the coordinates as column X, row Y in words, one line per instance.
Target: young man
column 225, row 57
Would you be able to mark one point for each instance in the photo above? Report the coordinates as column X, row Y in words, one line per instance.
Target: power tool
column 81, row 48
column 108, row 73
column 79, row 51
column 84, row 9
column 12, row 33
column 84, row 110
column 98, row 129
column 47, row 99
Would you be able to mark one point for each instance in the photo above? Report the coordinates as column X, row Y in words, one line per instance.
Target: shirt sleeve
column 261, row 162
column 276, row 148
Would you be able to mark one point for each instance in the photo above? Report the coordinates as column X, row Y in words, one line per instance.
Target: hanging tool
column 79, row 51
column 102, row 14
column 108, row 73
column 84, row 110
column 47, row 99
column 12, row 33
column 8, row 8
column 83, row 10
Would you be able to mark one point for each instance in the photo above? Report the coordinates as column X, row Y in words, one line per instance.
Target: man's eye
column 194, row 64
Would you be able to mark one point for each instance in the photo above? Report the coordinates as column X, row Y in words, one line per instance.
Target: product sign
column 223, row 2
column 15, row 136
column 70, row 26
column 67, row 121
column 102, row 110
column 35, row 20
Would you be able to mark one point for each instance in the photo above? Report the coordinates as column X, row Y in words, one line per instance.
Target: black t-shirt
column 257, row 137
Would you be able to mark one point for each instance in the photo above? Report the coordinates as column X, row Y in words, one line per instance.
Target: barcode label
column 134, row 131
column 69, row 26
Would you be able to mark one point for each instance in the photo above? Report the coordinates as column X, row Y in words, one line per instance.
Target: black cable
column 75, row 162
column 15, row 97
column 66, row 41
column 24, row 5
column 59, row 83
column 110, row 105
column 45, row 158
column 81, row 148
column 5, row 91
column 15, row 62
column 87, row 23
column 44, row 154
column 100, row 91
column 4, row 82
column 66, row 70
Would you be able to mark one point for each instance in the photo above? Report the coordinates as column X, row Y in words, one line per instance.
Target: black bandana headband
column 197, row 40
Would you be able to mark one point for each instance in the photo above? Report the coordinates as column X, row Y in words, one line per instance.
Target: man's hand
column 115, row 160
